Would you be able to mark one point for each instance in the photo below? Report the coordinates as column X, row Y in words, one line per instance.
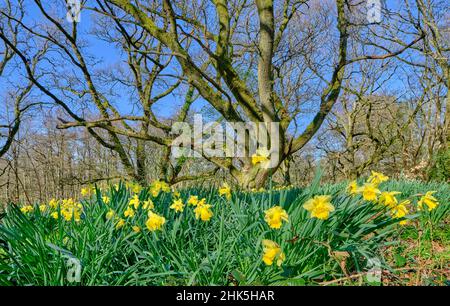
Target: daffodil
column 85, row 191
column 203, row 211
column 120, row 223
column 176, row 193
column 54, row 215
column 110, row 214
column 136, row 188
column 26, row 209
column 272, row 253
column 147, row 205
column 157, row 186
column 428, row 200
column 201, row 202
column 53, row 203
column 388, row 198
column 193, row 200
column 319, row 207
column 177, row 205
column 377, row 178
column 134, row 201
column 400, row 210
column 136, row 229
column 129, row 212
column 275, row 216
column 71, row 210
column 225, row 190
column 352, row 188
column 106, row 199
column 154, row 221
column 165, row 187
column 42, row 208
column 262, row 157
column 369, row 191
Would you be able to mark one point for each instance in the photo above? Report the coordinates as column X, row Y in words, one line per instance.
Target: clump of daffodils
column 159, row 186
column 320, row 207
column 136, row 188
column 275, row 217
column 88, row 191
column 69, row 209
column 370, row 192
column 26, row 209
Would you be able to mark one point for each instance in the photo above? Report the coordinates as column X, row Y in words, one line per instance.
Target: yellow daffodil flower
column 262, row 157
column 110, row 214
column 272, row 252
column 147, row 205
column 136, row 188
column 134, row 201
column 203, row 211
column 275, row 217
column 319, row 207
column 428, row 200
column 177, row 205
column 26, row 209
column 154, row 221
column 388, row 198
column 176, row 193
column 400, row 211
column 129, row 212
column 377, row 178
column 53, row 203
column 120, row 223
column 193, row 200
column 225, row 190
column 369, row 191
column 352, row 188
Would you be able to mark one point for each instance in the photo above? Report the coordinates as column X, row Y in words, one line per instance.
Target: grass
column 35, row 248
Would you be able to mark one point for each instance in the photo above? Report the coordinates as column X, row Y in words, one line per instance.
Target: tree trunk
column 141, row 163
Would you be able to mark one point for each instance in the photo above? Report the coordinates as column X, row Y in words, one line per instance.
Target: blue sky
column 110, row 56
